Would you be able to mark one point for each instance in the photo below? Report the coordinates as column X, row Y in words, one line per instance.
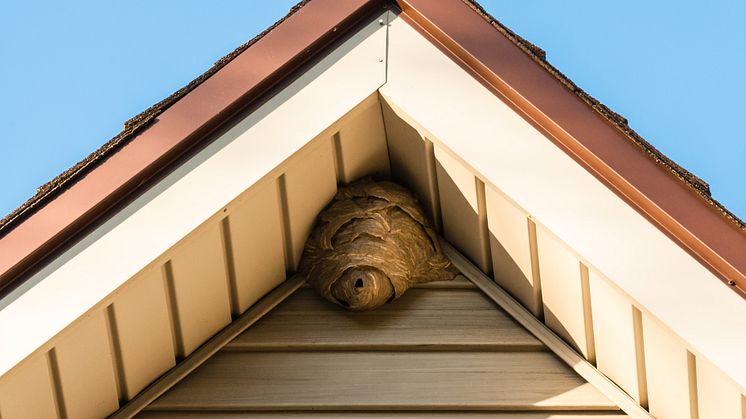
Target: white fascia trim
column 90, row 271
column 436, row 95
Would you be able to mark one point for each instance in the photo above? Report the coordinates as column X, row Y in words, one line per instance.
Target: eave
column 597, row 138
column 180, row 135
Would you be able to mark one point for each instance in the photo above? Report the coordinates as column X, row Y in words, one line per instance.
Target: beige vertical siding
column 614, row 336
column 412, row 161
column 200, row 289
column 256, row 245
column 562, row 292
column 361, row 144
column 142, row 332
column 309, row 184
column 717, row 396
column 666, row 360
column 86, row 370
column 510, row 244
column 28, row 390
column 459, row 205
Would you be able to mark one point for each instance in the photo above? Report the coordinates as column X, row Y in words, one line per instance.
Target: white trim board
column 455, row 111
column 154, row 222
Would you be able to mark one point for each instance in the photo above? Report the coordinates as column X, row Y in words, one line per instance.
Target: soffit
column 613, row 152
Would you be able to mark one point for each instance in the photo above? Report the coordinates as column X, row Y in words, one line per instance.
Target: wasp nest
column 370, row 245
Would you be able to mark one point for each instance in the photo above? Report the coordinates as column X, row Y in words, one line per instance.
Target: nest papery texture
column 370, row 245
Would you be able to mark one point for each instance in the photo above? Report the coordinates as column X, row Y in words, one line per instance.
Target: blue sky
column 71, row 73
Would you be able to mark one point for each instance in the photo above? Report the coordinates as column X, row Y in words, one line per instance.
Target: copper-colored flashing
column 672, row 198
column 158, row 136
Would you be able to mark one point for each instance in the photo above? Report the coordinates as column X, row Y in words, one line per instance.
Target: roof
column 31, row 239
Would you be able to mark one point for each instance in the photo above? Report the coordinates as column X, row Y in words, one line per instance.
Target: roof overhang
column 189, row 164
column 670, row 197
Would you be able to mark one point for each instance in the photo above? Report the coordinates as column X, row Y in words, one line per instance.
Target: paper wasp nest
column 370, row 244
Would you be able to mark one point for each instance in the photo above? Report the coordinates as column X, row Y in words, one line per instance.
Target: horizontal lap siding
column 437, row 348
column 434, row 319
column 362, row 380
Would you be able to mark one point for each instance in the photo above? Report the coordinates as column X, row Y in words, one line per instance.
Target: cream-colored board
column 667, row 372
column 191, row 194
column 257, row 245
column 510, row 247
column 718, row 398
column 200, row 288
column 27, row 391
column 561, row 290
column 614, row 334
column 362, row 144
column 86, row 370
column 459, row 208
column 506, row 151
column 309, row 184
column 410, row 163
column 143, row 331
